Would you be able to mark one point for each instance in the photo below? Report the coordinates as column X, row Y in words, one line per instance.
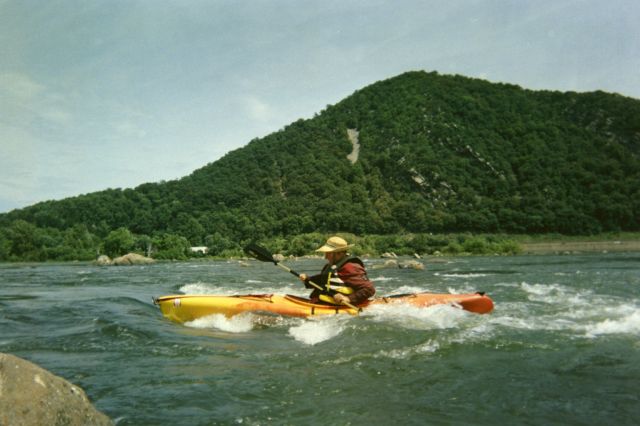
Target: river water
column 561, row 347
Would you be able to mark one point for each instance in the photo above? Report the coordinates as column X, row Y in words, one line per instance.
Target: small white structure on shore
column 201, row 250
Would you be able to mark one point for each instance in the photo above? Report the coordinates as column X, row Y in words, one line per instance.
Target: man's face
column 334, row 257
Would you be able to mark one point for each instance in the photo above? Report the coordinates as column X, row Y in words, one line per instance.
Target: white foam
column 540, row 289
column 470, row 275
column 383, row 279
column 436, row 317
column 628, row 324
column 206, row 288
column 557, row 294
column 462, row 290
column 405, row 289
column 317, row 330
column 199, row 288
column 236, row 324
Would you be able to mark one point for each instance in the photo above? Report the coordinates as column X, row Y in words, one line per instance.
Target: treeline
column 22, row 241
column 438, row 154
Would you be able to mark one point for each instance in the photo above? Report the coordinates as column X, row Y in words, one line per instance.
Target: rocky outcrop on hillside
column 30, row 395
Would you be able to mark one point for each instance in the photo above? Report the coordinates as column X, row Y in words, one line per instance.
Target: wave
column 461, row 275
column 381, row 279
column 626, row 324
column 317, row 330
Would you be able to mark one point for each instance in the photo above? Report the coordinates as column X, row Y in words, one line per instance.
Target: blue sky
column 116, row 93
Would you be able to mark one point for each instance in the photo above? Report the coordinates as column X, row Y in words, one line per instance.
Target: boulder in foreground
column 30, row 395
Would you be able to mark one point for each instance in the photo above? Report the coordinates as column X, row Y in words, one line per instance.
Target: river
column 561, row 347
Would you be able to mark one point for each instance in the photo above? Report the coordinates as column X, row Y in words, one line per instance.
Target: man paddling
column 344, row 277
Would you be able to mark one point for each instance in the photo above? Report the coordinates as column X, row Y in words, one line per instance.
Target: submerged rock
column 30, row 395
column 132, row 259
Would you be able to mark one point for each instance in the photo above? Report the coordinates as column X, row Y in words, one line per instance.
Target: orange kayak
column 186, row 307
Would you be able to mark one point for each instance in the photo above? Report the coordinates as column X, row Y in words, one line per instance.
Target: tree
column 5, row 246
column 119, row 242
column 25, row 241
column 81, row 243
column 189, row 227
column 218, row 244
column 171, row 246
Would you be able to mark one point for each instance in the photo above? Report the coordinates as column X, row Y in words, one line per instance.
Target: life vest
column 333, row 284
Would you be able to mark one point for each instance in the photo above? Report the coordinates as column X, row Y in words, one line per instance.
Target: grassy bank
column 561, row 244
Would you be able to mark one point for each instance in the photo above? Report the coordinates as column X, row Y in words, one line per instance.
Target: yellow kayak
column 186, row 307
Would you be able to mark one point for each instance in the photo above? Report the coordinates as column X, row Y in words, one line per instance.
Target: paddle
column 262, row 254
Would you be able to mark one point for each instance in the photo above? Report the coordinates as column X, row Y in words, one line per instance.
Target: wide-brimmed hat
column 334, row 244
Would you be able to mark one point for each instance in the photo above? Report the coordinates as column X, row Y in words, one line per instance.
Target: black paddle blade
column 259, row 252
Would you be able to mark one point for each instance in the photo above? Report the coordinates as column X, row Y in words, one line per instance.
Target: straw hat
column 334, row 244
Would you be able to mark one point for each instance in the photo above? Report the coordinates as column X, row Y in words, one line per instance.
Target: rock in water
column 30, row 395
column 389, row 264
column 412, row 264
column 103, row 260
column 132, row 259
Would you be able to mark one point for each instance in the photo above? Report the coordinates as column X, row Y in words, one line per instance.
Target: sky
column 98, row 94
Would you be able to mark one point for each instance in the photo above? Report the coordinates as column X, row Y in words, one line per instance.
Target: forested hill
column 420, row 152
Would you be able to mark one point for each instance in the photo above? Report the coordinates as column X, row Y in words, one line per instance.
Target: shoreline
column 571, row 247
column 631, row 244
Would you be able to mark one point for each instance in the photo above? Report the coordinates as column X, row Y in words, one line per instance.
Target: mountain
column 420, row 152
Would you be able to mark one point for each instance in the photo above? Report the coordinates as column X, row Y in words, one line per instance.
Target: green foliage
column 23, row 241
column 119, row 242
column 26, row 241
column 301, row 245
column 218, row 244
column 399, row 244
column 171, row 246
column 438, row 154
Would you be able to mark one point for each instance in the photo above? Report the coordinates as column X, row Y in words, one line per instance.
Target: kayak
column 188, row 307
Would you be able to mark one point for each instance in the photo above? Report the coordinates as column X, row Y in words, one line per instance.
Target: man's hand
column 341, row 298
column 303, row 277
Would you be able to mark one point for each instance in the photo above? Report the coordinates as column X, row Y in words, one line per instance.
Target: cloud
column 18, row 87
column 29, row 104
column 258, row 110
column 20, row 167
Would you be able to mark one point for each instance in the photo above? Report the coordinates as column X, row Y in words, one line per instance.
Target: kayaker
column 344, row 276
